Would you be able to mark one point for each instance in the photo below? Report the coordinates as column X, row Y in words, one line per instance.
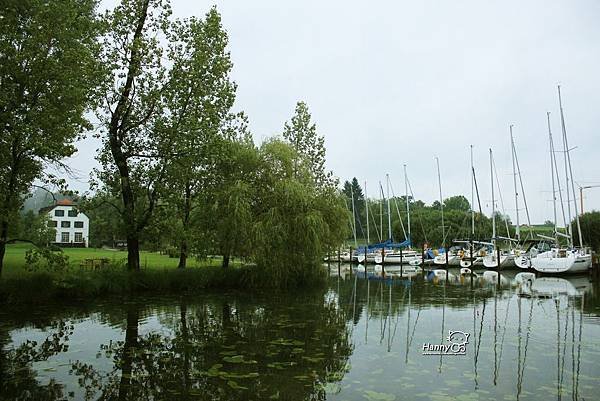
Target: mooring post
column 498, row 256
column 382, row 262
column 339, row 262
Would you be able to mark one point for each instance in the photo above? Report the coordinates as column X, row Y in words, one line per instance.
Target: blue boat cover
column 387, row 244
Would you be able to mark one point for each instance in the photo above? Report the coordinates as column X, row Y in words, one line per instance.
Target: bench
column 95, row 263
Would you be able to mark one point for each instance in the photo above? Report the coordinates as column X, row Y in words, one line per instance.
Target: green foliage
column 297, row 223
column 34, row 228
column 457, row 202
column 46, row 258
column 48, row 70
column 301, row 133
column 590, row 230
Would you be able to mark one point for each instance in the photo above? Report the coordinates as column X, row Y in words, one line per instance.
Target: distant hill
column 41, row 198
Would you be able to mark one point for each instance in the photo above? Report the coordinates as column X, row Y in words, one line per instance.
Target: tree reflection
column 223, row 349
column 18, row 378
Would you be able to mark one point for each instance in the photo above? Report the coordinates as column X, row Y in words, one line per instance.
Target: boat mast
column 552, row 174
column 512, row 145
column 381, row 210
column 568, row 158
column 387, row 177
column 353, row 219
column 437, row 161
column 566, row 152
column 407, row 203
column 493, row 200
column 521, row 186
column 472, row 196
column 367, row 211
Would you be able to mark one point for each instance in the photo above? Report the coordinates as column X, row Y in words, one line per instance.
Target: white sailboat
column 496, row 259
column 402, row 256
column 564, row 259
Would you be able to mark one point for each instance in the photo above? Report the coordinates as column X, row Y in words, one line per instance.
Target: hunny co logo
column 456, row 344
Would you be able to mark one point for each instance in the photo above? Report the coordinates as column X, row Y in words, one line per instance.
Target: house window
column 52, row 223
column 64, row 237
column 78, row 237
column 78, row 224
column 59, row 213
column 65, row 224
column 72, row 213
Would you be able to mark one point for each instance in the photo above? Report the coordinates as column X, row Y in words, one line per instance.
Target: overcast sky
column 398, row 82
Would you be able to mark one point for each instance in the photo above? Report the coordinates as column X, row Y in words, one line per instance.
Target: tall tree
column 198, row 100
column 301, row 133
column 133, row 156
column 47, row 70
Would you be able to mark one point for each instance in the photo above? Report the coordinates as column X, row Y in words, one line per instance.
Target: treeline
column 425, row 220
column 178, row 166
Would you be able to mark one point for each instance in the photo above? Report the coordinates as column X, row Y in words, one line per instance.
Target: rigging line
column 572, row 348
column 477, row 191
column 479, row 340
column 562, row 364
column 523, row 193
column 398, row 210
column 398, row 315
column 418, row 214
column 374, row 223
column 503, row 333
column 556, row 301
column 555, row 165
column 501, row 198
column 349, row 218
column 579, row 346
column 527, row 341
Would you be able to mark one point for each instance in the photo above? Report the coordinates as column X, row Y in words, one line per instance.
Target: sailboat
column 402, row 256
column 563, row 259
column 496, row 259
column 472, row 256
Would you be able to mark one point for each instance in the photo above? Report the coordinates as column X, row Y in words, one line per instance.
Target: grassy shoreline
column 161, row 276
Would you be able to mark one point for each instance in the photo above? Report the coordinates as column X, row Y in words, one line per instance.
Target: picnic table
column 95, row 263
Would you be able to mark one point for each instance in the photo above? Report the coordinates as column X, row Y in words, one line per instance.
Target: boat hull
column 552, row 262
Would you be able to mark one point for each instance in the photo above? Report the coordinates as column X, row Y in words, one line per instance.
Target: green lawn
column 14, row 260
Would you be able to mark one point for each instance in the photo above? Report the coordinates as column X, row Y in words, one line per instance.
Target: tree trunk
column 3, row 241
column 225, row 261
column 187, row 206
column 133, row 253
column 186, row 351
column 118, row 122
column 131, row 339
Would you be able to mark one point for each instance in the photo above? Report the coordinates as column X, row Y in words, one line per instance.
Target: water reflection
column 527, row 338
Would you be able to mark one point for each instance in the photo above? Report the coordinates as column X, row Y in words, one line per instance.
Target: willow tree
column 133, row 156
column 296, row 221
column 47, row 72
column 198, row 101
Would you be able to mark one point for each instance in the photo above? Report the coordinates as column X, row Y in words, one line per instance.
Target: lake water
column 414, row 337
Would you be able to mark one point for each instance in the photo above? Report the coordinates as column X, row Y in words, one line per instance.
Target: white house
column 72, row 226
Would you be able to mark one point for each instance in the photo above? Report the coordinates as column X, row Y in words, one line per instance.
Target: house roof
column 62, row 202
